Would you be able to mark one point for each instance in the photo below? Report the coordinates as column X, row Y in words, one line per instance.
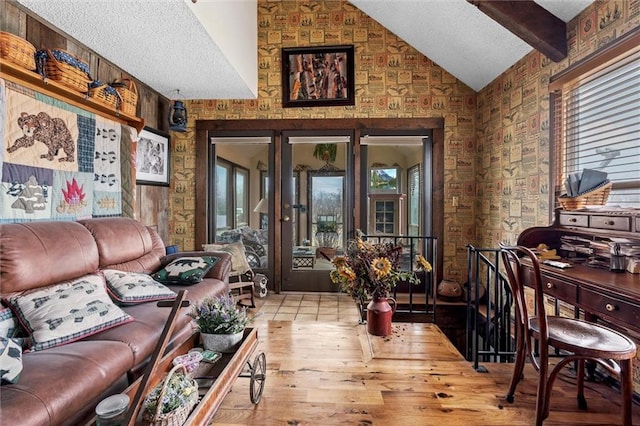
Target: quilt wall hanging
column 60, row 162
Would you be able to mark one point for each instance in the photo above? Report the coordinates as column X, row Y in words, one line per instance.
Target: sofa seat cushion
column 142, row 334
column 57, row 383
column 208, row 287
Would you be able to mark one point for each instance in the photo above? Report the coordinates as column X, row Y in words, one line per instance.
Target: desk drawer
column 602, row 304
column 616, row 223
column 574, row 220
column 560, row 289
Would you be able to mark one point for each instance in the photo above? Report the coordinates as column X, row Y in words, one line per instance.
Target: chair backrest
column 521, row 276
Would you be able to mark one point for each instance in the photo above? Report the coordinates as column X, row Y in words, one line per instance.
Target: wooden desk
column 614, row 297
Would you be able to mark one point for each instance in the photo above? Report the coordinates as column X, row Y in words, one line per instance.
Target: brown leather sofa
column 62, row 385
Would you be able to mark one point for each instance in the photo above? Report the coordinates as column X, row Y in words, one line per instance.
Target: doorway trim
column 205, row 129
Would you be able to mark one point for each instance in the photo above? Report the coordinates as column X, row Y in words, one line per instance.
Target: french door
column 317, row 196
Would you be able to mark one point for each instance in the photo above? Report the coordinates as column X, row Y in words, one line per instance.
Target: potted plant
column 326, row 152
column 220, row 321
column 370, row 272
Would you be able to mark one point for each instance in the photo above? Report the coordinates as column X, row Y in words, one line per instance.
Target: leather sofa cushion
column 142, row 334
column 125, row 244
column 37, row 254
column 42, row 398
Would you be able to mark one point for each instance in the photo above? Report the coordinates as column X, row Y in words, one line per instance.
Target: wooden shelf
column 32, row 80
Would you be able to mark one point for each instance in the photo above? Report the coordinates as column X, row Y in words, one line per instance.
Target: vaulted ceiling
column 208, row 49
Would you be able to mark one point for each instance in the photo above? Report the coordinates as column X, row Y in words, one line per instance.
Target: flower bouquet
column 220, row 321
column 370, row 270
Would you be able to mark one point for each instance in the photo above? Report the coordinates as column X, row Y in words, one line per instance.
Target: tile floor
column 293, row 306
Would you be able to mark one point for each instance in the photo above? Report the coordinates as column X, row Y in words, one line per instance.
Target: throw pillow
column 185, row 270
column 10, row 360
column 8, row 323
column 130, row 288
column 239, row 264
column 67, row 312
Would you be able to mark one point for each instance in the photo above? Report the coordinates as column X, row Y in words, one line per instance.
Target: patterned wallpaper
column 512, row 127
column 496, row 142
column 391, row 80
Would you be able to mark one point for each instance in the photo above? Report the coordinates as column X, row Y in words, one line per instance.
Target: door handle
column 286, row 218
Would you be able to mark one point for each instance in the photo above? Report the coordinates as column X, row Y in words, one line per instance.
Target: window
column 598, row 125
column 413, row 200
column 232, row 196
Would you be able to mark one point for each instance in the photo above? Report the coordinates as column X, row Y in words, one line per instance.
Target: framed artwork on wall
column 318, row 76
column 152, row 158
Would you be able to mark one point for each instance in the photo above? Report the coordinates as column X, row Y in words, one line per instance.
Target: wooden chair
column 242, row 288
column 580, row 340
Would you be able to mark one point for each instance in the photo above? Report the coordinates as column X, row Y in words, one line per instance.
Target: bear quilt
column 58, row 161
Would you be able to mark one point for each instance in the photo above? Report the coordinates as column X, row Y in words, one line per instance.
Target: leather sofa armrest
column 219, row 271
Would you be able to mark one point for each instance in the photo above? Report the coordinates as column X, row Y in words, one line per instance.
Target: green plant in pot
column 326, row 152
column 221, row 322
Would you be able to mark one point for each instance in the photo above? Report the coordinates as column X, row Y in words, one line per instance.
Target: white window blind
column 601, row 122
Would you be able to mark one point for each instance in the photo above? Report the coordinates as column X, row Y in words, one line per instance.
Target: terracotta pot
column 379, row 315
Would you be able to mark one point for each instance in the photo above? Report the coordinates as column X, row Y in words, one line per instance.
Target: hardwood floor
column 331, row 372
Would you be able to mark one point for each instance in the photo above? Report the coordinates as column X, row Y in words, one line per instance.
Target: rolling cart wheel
column 258, row 376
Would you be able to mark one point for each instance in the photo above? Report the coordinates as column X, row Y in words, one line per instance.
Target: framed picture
column 318, row 76
column 152, row 158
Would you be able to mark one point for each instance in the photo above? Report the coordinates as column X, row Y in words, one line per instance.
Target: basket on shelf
column 63, row 67
column 17, row 50
column 178, row 416
column 129, row 95
column 597, row 196
column 104, row 93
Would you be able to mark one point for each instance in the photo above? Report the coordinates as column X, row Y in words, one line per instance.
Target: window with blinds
column 601, row 127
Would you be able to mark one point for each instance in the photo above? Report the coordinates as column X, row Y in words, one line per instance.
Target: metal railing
column 418, row 300
column 489, row 301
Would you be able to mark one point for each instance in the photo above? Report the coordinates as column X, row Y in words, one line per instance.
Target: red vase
column 379, row 314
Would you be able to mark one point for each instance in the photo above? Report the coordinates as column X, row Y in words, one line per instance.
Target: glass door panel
column 313, row 212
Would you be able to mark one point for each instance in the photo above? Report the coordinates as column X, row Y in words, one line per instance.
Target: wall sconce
column 178, row 116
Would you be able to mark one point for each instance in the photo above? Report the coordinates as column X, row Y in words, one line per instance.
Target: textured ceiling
column 162, row 42
column 457, row 36
column 208, row 50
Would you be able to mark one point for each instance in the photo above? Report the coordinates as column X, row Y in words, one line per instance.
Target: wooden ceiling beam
column 531, row 22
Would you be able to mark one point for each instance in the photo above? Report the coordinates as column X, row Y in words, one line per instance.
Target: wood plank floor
column 331, row 372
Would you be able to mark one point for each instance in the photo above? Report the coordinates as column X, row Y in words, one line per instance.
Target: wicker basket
column 70, row 71
column 105, row 94
column 178, row 416
column 597, row 196
column 17, row 50
column 129, row 94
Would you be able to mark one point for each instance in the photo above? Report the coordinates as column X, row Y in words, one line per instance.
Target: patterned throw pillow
column 66, row 312
column 8, row 323
column 10, row 360
column 239, row 264
column 185, row 270
column 130, row 288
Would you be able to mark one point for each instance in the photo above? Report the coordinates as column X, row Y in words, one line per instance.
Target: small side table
column 304, row 257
